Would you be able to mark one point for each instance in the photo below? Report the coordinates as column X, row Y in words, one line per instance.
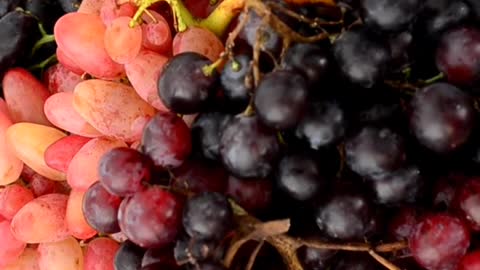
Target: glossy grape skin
column 207, row 216
column 361, row 58
column 233, row 80
column 458, row 57
column 151, row 218
column 124, row 171
column 442, row 117
column 300, row 177
column 439, row 241
column 375, row 151
column 249, row 149
column 323, row 124
column 390, row 15
column 183, row 86
column 101, row 209
column 13, row 198
column 100, row 254
column 271, row 40
column 280, row 99
column 471, row 261
column 206, row 132
column 128, row 256
column 402, row 186
column 315, row 259
column 254, row 195
column 167, row 140
column 199, row 175
column 467, row 202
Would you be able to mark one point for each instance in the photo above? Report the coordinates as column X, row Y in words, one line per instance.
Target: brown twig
column 254, row 255
column 314, row 23
column 383, row 261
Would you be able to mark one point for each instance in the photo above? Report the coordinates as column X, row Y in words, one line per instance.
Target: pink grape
column 62, row 255
column 10, row 247
column 41, row 185
column 199, row 40
column 143, row 73
column 10, row 166
column 28, row 260
column 157, row 36
column 91, row 6
column 29, row 142
column 80, row 36
column 76, row 223
column 59, row 154
column 58, row 78
column 83, row 169
column 68, row 63
column 111, row 10
column 25, row 96
column 41, row 220
column 4, row 109
column 60, row 111
column 12, row 198
column 100, row 254
column 122, row 42
column 112, row 108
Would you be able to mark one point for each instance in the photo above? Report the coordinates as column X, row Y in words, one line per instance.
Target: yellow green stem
column 219, row 20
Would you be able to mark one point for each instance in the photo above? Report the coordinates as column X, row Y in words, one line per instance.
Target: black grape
column 47, row 12
column 390, row 15
column 401, row 186
column 70, row 5
column 128, row 257
column 206, row 132
column 8, row 5
column 269, row 39
column 236, row 90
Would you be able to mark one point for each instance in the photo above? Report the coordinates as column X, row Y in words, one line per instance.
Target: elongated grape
column 198, row 40
column 29, row 142
column 76, row 223
column 68, row 62
column 112, row 9
column 59, row 110
column 80, row 37
column 25, row 96
column 41, row 220
column 80, row 176
column 12, row 199
column 59, row 154
column 100, row 254
column 143, row 73
column 27, row 261
column 10, row 166
column 112, row 108
column 62, row 255
column 58, row 78
column 10, row 247
column 122, row 42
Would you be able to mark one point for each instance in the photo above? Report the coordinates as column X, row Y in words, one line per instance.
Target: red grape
column 100, row 209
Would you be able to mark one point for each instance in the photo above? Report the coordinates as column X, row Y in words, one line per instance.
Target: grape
column 10, row 166
column 158, row 256
column 29, row 142
column 124, row 171
column 167, row 140
column 439, row 241
column 81, row 37
column 280, row 99
column 27, row 261
column 151, row 218
column 10, row 247
column 8, row 5
column 248, row 149
column 25, row 96
column 62, row 255
column 189, row 249
column 41, row 220
column 128, row 257
column 75, row 219
column 200, row 8
column 112, row 108
column 234, row 81
column 60, row 153
column 362, row 58
column 60, row 111
column 207, row 216
column 346, row 216
column 300, row 177
column 323, row 124
column 122, row 42
column 401, row 186
column 451, row 14
column 270, row 40
column 42, row 186
column 390, row 15
column 198, row 40
column 69, row 64
column 100, row 209
column 70, row 5
column 200, row 176
column 458, row 57
column 315, row 259
column 442, row 117
column 311, row 59
column 255, row 195
column 4, row 110
column 206, row 132
column 100, row 254
column 403, row 223
column 183, row 85
column 59, row 78
column 12, row 199
column 467, row 202
column 471, row 261
column 157, row 36
column 444, row 192
column 80, row 175
column 112, row 9
column 46, row 11
column 143, row 73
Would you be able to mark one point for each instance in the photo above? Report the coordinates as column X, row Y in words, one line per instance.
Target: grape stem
column 46, row 38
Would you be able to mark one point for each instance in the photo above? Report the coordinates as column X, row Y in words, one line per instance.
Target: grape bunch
column 239, row 134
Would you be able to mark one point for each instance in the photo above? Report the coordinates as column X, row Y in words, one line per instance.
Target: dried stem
column 254, row 255
column 383, row 261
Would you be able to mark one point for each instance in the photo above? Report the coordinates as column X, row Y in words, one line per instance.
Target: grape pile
column 239, row 134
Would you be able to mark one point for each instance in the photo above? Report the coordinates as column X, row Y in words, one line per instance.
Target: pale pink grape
column 28, row 260
column 10, row 247
column 122, row 42
column 4, row 108
column 111, row 10
column 13, row 198
column 100, row 254
column 10, row 166
column 68, row 63
column 60, row 111
column 58, row 78
column 143, row 73
column 199, row 40
column 91, row 6
column 59, row 154
column 76, row 223
column 62, row 255
column 112, row 108
column 83, row 169
column 157, row 36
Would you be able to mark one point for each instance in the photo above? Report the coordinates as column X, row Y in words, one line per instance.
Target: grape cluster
column 239, row 134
